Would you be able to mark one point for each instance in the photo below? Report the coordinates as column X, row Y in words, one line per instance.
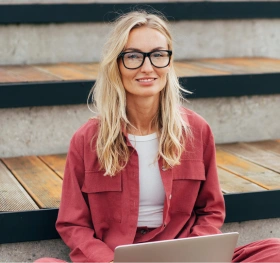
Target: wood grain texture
column 13, row 197
column 26, row 73
column 39, row 177
column 241, row 65
column 42, row 184
column 270, row 146
column 91, row 70
column 184, row 68
column 64, row 72
column 256, row 174
column 7, row 77
column 218, row 65
column 231, row 183
column 189, row 69
column 56, row 162
column 255, row 155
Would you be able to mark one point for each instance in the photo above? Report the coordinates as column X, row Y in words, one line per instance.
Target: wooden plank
column 266, row 159
column 6, row 77
column 254, row 173
column 56, row 162
column 63, row 72
column 233, row 65
column 270, row 145
column 261, row 65
column 42, row 184
column 27, row 73
column 231, row 183
column 217, row 65
column 187, row 69
column 12, row 195
column 244, row 65
column 91, row 70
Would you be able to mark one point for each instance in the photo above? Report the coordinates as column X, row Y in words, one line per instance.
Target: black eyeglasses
column 135, row 59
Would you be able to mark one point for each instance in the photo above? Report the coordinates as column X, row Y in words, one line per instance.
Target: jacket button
column 163, row 168
column 170, row 197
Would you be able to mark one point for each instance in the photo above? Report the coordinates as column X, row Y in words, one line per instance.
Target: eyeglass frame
column 145, row 54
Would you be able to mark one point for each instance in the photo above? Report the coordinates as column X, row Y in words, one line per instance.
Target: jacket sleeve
column 209, row 207
column 74, row 218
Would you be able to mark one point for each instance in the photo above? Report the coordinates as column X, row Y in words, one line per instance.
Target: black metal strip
column 232, row 85
column 252, row 206
column 100, row 12
column 76, row 92
column 40, row 224
column 44, row 93
column 28, row 225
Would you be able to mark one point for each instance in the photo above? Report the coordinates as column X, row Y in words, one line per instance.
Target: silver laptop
column 211, row 248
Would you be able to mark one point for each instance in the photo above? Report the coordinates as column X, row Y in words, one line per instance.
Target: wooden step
column 186, row 68
column 247, row 170
column 55, row 162
column 264, row 158
column 13, row 196
column 42, row 184
column 39, row 178
column 34, row 85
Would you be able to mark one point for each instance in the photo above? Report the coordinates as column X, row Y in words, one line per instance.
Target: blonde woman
column 144, row 168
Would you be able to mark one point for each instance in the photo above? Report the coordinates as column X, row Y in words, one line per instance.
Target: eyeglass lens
column 158, row 59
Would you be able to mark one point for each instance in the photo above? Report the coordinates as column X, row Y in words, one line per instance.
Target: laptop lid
column 211, row 248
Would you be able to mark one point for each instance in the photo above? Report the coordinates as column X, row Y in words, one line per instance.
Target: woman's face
column 147, row 80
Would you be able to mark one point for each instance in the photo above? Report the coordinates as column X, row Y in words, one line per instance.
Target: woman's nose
column 147, row 65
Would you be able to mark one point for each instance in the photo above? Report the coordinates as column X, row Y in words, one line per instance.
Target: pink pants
column 267, row 250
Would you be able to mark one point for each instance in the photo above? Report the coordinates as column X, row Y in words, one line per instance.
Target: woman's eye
column 157, row 54
column 133, row 55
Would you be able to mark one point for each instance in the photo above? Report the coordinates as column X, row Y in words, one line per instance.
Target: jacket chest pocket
column 187, row 179
column 104, row 196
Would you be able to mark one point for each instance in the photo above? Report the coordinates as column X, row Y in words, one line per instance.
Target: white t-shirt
column 151, row 190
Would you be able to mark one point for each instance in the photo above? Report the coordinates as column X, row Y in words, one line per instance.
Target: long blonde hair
column 109, row 99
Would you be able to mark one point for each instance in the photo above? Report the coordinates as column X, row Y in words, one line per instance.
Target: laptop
column 211, row 248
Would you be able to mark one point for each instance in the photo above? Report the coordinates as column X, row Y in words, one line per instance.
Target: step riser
column 250, row 231
column 47, row 130
column 27, row 44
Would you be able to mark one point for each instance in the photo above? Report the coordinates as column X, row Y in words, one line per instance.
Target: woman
column 144, row 169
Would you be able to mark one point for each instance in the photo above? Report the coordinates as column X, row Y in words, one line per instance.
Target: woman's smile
column 146, row 81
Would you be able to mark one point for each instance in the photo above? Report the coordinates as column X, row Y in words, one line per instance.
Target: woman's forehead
column 143, row 38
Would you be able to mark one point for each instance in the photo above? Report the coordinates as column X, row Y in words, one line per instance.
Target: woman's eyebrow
column 139, row 50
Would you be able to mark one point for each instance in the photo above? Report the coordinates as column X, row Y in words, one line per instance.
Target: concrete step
column 48, row 129
column 241, row 104
column 200, row 29
column 54, row 43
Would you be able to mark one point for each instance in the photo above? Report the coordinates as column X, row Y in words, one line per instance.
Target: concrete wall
column 28, row 44
column 46, row 130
